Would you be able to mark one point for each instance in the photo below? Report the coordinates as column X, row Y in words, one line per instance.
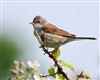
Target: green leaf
column 56, row 53
column 60, row 77
column 84, row 76
column 69, row 66
column 51, row 71
column 42, row 78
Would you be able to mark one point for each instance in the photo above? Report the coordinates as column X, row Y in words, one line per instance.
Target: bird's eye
column 38, row 21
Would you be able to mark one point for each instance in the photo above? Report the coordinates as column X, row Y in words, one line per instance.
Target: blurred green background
column 9, row 51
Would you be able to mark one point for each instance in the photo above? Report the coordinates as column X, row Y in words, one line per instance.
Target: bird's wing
column 50, row 28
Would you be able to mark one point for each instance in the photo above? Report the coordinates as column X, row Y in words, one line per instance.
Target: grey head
column 39, row 20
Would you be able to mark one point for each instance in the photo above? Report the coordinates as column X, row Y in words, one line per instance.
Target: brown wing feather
column 50, row 28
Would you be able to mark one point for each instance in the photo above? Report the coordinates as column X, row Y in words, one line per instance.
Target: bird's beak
column 31, row 23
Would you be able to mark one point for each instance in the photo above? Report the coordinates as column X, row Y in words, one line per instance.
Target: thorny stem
column 79, row 75
column 60, row 69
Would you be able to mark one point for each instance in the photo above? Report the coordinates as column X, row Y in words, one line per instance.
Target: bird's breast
column 51, row 40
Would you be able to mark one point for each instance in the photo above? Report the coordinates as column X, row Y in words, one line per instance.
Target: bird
column 52, row 36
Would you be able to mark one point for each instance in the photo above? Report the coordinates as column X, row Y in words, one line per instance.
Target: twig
column 60, row 69
column 48, row 75
column 79, row 75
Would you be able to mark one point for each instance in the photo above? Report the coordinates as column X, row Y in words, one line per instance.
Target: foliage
column 85, row 76
column 29, row 70
column 56, row 53
column 51, row 71
column 69, row 66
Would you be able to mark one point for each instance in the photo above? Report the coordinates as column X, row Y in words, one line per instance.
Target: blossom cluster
column 26, row 71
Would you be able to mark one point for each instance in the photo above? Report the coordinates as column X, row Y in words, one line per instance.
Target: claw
column 41, row 46
column 44, row 53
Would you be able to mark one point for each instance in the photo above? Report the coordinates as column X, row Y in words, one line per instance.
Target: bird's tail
column 82, row 38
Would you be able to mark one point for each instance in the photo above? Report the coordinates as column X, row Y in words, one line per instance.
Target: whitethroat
column 52, row 36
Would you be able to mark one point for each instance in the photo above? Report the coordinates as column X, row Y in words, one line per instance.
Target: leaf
column 51, row 71
column 56, row 53
column 42, row 78
column 69, row 66
column 84, row 76
column 60, row 77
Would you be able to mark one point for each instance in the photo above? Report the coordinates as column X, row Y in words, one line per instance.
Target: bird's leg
column 44, row 46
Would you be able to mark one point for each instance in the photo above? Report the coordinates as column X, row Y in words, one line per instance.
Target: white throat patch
column 37, row 26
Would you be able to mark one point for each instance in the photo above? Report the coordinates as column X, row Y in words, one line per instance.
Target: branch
column 59, row 68
column 48, row 75
column 79, row 75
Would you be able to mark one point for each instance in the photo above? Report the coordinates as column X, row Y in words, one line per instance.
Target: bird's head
column 38, row 22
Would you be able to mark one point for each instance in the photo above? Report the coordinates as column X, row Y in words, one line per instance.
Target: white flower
column 33, row 64
column 33, row 67
column 22, row 64
column 30, row 64
column 16, row 62
column 14, row 72
column 21, row 71
column 36, row 77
